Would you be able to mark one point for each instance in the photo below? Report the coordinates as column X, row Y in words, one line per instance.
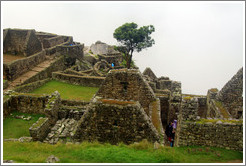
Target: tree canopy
column 133, row 39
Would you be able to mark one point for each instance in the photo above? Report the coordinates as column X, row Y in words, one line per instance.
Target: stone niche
column 21, row 42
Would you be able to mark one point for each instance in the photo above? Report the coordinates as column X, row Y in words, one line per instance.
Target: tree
column 133, row 39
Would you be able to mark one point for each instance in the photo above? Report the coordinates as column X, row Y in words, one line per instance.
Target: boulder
column 52, row 159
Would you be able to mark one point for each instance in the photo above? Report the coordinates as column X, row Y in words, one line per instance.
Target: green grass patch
column 16, row 128
column 222, row 109
column 35, row 152
column 203, row 121
column 67, row 91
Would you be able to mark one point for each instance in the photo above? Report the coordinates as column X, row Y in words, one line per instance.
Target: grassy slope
column 105, row 153
column 67, row 91
column 16, row 128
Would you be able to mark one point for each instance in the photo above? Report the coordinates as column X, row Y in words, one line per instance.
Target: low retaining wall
column 53, row 41
column 224, row 135
column 18, row 67
column 31, row 86
column 91, row 81
column 47, row 72
column 40, row 129
column 7, row 107
column 52, row 50
column 28, row 103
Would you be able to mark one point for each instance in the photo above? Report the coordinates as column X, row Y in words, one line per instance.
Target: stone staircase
column 38, row 68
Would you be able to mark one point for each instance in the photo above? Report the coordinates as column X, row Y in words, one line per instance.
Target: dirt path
column 7, row 58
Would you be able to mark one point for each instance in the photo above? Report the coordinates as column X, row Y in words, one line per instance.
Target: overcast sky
column 200, row 44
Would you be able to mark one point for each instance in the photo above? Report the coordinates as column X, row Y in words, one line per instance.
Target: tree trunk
column 129, row 60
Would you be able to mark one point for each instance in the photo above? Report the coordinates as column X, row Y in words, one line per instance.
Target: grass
column 222, row 109
column 188, row 98
column 202, row 121
column 16, row 128
column 67, row 91
column 143, row 152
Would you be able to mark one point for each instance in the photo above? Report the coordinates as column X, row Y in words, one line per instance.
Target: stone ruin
column 20, row 42
column 124, row 109
column 128, row 107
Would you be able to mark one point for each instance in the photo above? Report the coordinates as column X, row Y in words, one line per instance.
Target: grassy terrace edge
column 67, row 91
column 94, row 152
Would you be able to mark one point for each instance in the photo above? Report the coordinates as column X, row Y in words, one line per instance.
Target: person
column 174, row 124
column 112, row 65
column 170, row 133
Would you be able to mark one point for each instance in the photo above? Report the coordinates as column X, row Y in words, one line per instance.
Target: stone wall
column 231, row 95
column 71, row 112
column 71, row 52
column 150, row 73
column 189, row 108
column 127, row 85
column 52, row 50
column 192, row 130
column 91, row 81
column 18, row 67
column 53, row 41
column 74, row 102
column 114, row 123
column 102, row 49
column 7, row 107
column 31, row 86
column 28, row 103
column 115, row 58
column 52, row 107
column 21, row 42
column 57, row 65
column 43, row 35
column 224, row 135
column 40, row 129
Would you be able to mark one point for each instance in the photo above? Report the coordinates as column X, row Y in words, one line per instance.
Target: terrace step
column 22, row 78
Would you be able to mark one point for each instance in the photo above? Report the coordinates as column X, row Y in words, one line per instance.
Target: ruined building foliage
column 129, row 106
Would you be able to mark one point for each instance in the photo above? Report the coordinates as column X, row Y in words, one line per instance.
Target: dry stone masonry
column 128, row 107
column 231, row 95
